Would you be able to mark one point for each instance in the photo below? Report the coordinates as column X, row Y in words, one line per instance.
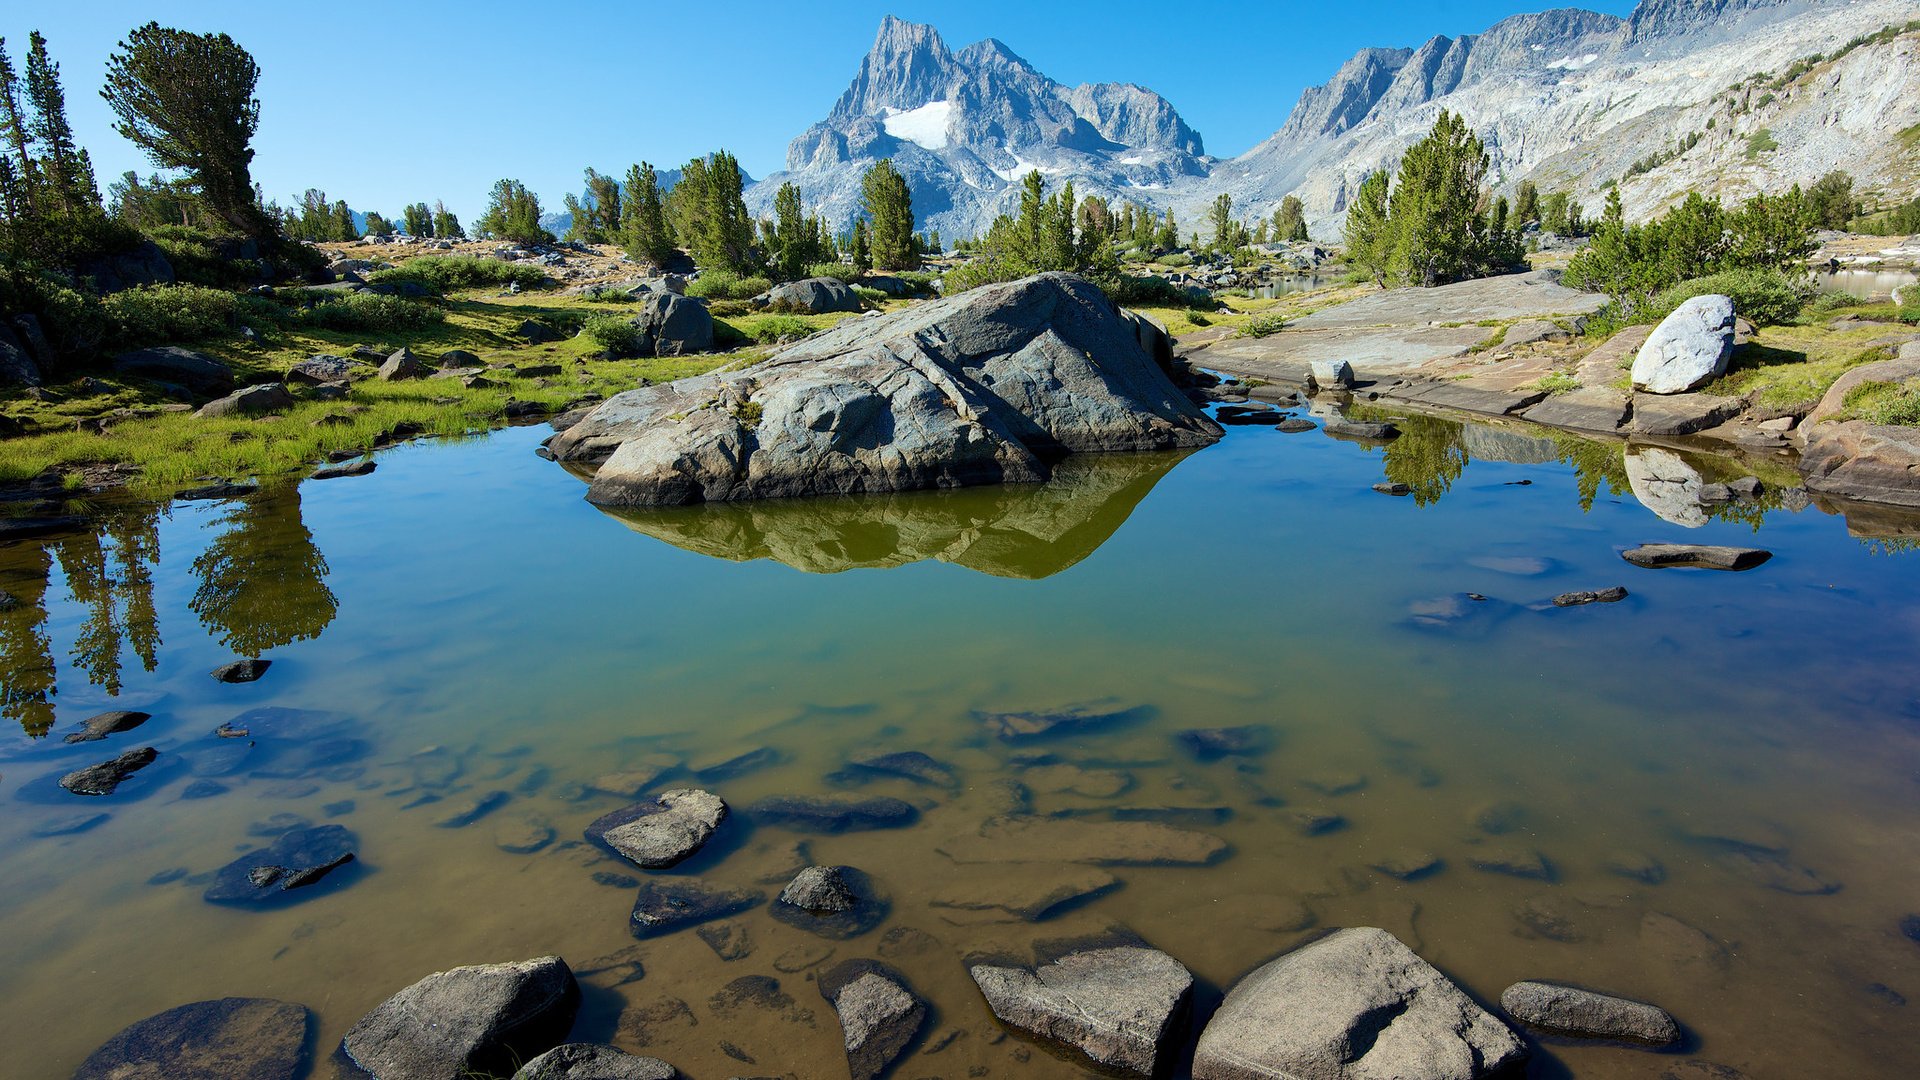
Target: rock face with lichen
column 990, row 386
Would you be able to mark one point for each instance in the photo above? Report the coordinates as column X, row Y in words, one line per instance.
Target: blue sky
column 387, row 103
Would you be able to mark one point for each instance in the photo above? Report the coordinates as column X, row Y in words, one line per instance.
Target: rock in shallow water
column 831, row 901
column 1656, row 556
column 453, row 1024
column 241, row 671
column 106, row 777
column 587, row 1061
column 1574, row 1011
column 228, row 1039
column 987, row 386
column 1355, row 1004
column 95, row 728
column 667, row 904
column 879, row 1014
column 1100, row 843
column 833, row 813
column 1119, row 1006
column 662, row 832
column 296, row 860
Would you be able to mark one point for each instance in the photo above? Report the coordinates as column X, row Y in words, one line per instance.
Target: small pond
column 1865, row 284
column 1703, row 796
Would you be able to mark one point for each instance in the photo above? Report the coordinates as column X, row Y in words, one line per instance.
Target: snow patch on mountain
column 925, row 126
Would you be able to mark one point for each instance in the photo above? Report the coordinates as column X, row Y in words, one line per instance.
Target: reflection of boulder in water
column 262, row 580
column 1486, row 443
column 1665, row 484
column 1018, row 531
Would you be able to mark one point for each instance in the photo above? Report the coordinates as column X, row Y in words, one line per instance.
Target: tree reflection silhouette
column 27, row 670
column 262, row 580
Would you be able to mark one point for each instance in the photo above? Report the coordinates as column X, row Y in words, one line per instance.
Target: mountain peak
column 908, row 66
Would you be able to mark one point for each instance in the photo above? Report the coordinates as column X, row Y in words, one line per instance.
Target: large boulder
column 1355, row 1004
column 228, row 1039
column 144, row 264
column 673, row 325
column 249, row 401
column 17, row 366
column 879, row 1014
column 198, row 372
column 811, row 296
column 1688, row 349
column 1119, row 1006
column 485, row 1019
column 401, row 365
column 320, row 368
column 988, row 386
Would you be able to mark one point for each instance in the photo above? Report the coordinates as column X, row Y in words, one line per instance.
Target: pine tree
column 1290, row 219
column 889, row 203
column 711, row 215
column 862, row 253
column 513, row 213
column 1367, row 235
column 1526, row 204
column 377, row 225
column 343, row 226
column 643, row 219
column 445, row 225
column 1222, row 219
column 417, row 220
column 66, row 173
column 21, row 177
column 1168, row 237
column 793, row 239
column 603, row 211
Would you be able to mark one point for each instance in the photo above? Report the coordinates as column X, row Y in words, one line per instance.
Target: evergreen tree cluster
column 1634, row 263
column 1049, row 233
column 513, row 213
column 1433, row 224
column 49, row 202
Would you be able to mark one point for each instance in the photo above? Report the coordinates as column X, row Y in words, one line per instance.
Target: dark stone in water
column 1513, row 863
column 1887, row 994
column 728, row 940
column 911, row 764
column 1085, row 719
column 833, row 813
column 335, row 472
column 613, row 879
column 106, row 777
column 1209, row 744
column 668, row 904
column 1603, row 596
column 299, row 858
column 99, row 727
column 338, row 809
column 168, row 877
column 70, row 824
column 1393, row 489
column 879, row 1014
column 1910, row 926
column 733, row 765
column 474, row 809
column 1655, row 556
column 663, row 832
column 587, row 1061
column 1293, row 425
column 220, row 490
column 241, row 671
column 203, row 789
column 228, row 1039
column 1573, row 1011
column 831, row 901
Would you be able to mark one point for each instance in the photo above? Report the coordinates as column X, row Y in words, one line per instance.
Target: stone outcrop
column 589, row 1061
column 988, row 386
column 251, row 401
column 811, row 296
column 197, row 372
column 227, row 1039
column 1688, row 349
column 484, row 1019
column 673, row 325
column 298, row 859
column 1355, row 1004
column 1704, row 556
column 1119, row 1006
column 106, row 777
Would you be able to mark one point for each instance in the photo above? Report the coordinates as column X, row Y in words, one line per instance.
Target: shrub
column 727, row 285
column 780, row 328
column 919, row 280
column 1884, row 403
column 371, row 311
column 1197, row 319
column 1828, row 303
column 1560, row 382
column 871, row 296
column 1762, row 297
column 727, row 309
column 615, row 333
column 1262, row 325
column 843, row 271
column 443, row 273
column 75, row 322
column 202, row 258
column 1178, row 258
column 160, row 314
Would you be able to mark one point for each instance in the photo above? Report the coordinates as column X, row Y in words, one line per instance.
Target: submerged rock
column 451, row 1025
column 668, row 904
column 1100, row 843
column 832, row 901
column 1611, row 595
column 106, row 777
column 988, row 386
column 879, row 1014
column 1573, row 1011
column 299, row 858
column 1016, row 727
column 1208, row 744
column 227, row 1039
column 587, row 1061
column 241, row 671
column 1028, row 896
column 833, row 813
column 1355, row 1004
column 1121, row 1007
column 1656, row 556
column 911, row 764
column 95, row 728
column 663, row 832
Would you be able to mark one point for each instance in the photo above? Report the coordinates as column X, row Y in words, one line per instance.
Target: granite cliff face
column 1568, row 98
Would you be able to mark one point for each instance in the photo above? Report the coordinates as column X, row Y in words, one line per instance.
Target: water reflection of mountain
column 1012, row 530
column 262, row 584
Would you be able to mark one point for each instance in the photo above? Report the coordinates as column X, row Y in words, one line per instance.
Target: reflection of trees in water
column 27, row 670
column 262, row 581
column 1427, row 456
column 1594, row 463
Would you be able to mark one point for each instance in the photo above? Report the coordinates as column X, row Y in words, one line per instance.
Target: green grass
column 1761, row 142
column 1909, row 138
column 1560, row 382
column 1787, row 366
column 1884, row 403
column 1492, row 341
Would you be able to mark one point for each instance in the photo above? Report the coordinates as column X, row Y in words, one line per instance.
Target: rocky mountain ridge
column 1569, row 98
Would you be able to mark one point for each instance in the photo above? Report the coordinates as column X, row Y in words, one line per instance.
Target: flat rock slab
column 911, row 765
column 227, row 1039
column 1083, row 719
column 1100, row 843
column 662, row 832
column 588, row 1061
column 833, row 813
column 1119, row 1006
column 668, row 904
column 1570, row 1010
column 1029, row 897
column 1656, row 556
column 1465, row 397
column 451, row 1025
column 95, row 728
column 879, row 1014
column 1355, row 1004
column 1681, row 414
column 1535, row 294
column 1858, row 460
column 106, row 777
column 1590, row 408
column 298, row 859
